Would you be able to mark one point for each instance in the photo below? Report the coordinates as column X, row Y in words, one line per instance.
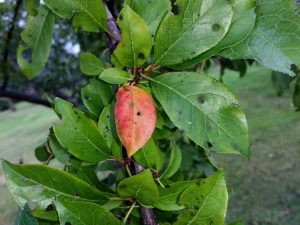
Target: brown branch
column 7, row 43
column 148, row 214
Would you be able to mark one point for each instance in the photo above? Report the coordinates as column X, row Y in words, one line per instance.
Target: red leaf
column 135, row 117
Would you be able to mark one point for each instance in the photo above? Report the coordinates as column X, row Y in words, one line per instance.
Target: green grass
column 264, row 190
column 20, row 132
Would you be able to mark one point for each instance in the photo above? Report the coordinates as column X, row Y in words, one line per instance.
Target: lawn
column 264, row 190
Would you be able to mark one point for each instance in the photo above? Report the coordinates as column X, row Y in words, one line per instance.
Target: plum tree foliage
column 138, row 151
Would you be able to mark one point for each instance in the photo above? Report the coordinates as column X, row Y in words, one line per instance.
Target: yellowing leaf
column 135, row 117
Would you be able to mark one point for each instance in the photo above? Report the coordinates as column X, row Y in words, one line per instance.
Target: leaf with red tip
column 135, row 117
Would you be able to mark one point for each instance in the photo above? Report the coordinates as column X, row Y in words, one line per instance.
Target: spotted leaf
column 135, row 117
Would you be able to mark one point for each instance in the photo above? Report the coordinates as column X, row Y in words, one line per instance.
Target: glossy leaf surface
column 141, row 187
column 168, row 197
column 135, row 116
column 71, row 211
column 273, row 46
column 36, row 183
column 90, row 64
column 89, row 15
column 115, row 76
column 152, row 11
column 241, row 27
column 191, row 28
column 135, row 46
column 79, row 134
column 205, row 203
column 205, row 110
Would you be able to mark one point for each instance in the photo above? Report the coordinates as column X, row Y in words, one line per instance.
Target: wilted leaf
column 135, row 116
column 34, row 49
column 135, row 46
column 205, row 110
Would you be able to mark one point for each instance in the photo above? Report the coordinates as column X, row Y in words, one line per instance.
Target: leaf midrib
column 184, row 97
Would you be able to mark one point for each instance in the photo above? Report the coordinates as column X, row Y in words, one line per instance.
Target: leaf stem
column 160, row 183
column 128, row 170
column 128, row 213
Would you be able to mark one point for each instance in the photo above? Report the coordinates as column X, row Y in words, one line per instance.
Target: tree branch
column 24, row 97
column 148, row 215
column 7, row 43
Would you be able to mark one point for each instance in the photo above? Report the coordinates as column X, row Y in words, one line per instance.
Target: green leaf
column 115, row 76
column 34, row 49
column 41, row 153
column 60, row 153
column 296, row 96
column 32, row 6
column 79, row 134
column 273, row 46
column 141, row 187
column 135, row 46
column 238, row 222
column 77, row 212
column 24, row 217
column 90, row 64
column 37, row 183
column 174, row 162
column 205, row 203
column 45, row 215
column 152, row 11
column 205, row 110
column 96, row 95
column 89, row 15
column 147, row 156
column 190, row 29
column 169, row 196
column 88, row 175
column 241, row 27
column 107, row 126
